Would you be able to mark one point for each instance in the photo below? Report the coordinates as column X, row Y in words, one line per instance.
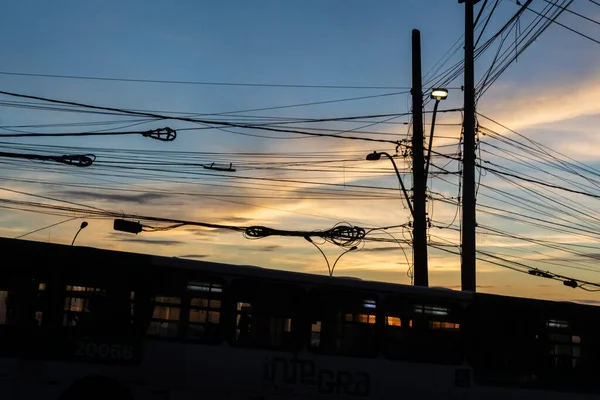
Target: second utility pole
column 419, row 183
column 468, row 273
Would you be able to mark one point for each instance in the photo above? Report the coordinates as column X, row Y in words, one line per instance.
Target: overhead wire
column 553, row 20
column 193, row 120
column 205, row 83
column 574, row 13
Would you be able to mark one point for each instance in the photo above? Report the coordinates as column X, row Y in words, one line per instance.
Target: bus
column 85, row 323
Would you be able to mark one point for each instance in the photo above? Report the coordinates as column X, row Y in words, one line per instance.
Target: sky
column 292, row 181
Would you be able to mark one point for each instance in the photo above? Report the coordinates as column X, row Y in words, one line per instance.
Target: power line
column 566, row 27
column 32, row 105
column 343, row 235
column 567, row 281
column 550, row 185
column 76, row 160
column 313, row 103
column 193, row 120
column 46, row 227
column 225, row 199
column 573, row 12
column 544, row 150
column 162, row 134
column 532, row 32
column 162, row 81
column 52, row 198
column 486, row 21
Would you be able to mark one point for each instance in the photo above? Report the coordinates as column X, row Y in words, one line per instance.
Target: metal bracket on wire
column 76, row 160
column 162, row 134
column 217, row 168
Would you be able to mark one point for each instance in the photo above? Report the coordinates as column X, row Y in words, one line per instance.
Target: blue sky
column 350, row 43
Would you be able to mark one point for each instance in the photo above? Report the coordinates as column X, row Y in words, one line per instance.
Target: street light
column 82, row 226
column 438, row 95
column 374, row 156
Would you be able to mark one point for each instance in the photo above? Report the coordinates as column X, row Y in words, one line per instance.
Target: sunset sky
column 290, row 181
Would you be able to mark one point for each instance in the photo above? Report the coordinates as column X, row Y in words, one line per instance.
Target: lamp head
column 439, row 94
column 83, row 225
column 374, row 156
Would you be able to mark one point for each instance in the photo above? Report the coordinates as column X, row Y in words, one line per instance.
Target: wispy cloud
column 478, row 286
column 267, row 248
column 123, row 237
column 154, row 242
column 194, row 256
column 585, row 301
column 522, row 106
column 235, row 220
column 380, row 249
column 142, row 198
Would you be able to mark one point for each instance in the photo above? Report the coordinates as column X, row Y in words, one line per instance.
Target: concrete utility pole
column 419, row 181
column 468, row 272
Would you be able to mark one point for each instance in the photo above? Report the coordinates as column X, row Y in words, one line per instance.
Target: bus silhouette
column 84, row 323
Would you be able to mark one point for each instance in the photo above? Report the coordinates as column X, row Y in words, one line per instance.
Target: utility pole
column 419, row 183
column 468, row 273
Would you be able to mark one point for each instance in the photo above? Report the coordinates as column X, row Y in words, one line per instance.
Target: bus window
column 563, row 345
column 204, row 311
column 565, row 350
column 422, row 331
column 243, row 323
column 40, row 304
column 165, row 318
column 315, row 335
column 343, row 323
column 21, row 300
column 96, row 310
column 503, row 340
column 266, row 314
column 77, row 304
column 7, row 307
column 536, row 344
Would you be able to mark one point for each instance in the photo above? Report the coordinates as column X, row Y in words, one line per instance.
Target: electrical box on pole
column 127, row 226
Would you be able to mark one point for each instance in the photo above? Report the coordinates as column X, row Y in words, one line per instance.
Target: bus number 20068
column 116, row 352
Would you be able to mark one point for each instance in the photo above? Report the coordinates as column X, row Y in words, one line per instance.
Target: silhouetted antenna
column 76, row 160
column 217, row 168
column 82, row 226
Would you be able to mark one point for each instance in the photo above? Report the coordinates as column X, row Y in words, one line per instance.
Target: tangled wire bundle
column 340, row 235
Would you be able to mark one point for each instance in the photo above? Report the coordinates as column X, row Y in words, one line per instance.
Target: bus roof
column 42, row 251
column 31, row 248
column 308, row 278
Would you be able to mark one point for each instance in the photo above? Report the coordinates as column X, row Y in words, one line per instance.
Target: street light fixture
column 81, row 227
column 374, row 156
column 438, row 95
